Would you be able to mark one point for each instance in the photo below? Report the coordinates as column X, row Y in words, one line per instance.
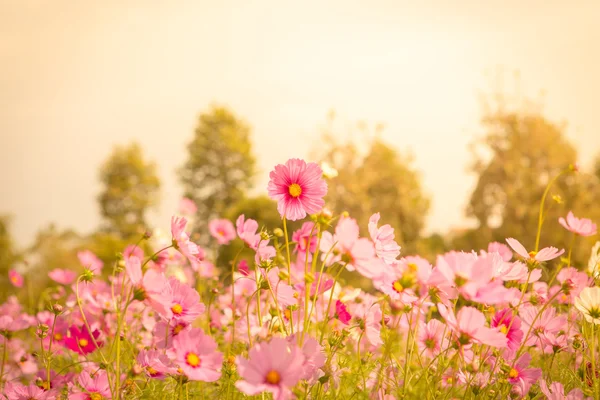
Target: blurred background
column 448, row 118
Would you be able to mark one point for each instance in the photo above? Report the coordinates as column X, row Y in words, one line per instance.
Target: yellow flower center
column 192, row 359
column 15, row 279
column 397, row 286
column 295, row 190
column 96, row 396
column 151, row 371
column 449, row 380
column 57, row 336
column 83, row 342
column 178, row 328
column 513, row 373
column 177, row 309
column 503, row 329
column 532, row 254
column 273, row 377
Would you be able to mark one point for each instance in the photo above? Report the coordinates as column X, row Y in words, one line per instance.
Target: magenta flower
column 90, row 261
column 62, row 276
column 15, row 278
column 510, row 326
column 545, row 254
column 80, row 340
column 17, row 391
column 298, row 187
column 197, row 355
column 273, row 367
column 579, row 226
column 94, row 386
column 222, row 230
column 341, row 312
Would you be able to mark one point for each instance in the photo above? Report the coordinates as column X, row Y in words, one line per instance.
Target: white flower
column 328, row 171
column 594, row 263
column 588, row 303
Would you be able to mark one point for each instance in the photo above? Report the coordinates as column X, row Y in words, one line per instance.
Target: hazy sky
column 77, row 77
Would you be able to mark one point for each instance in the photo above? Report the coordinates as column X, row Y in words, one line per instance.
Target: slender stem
column 4, row 353
column 542, row 204
column 50, row 351
column 233, row 264
column 307, row 287
column 287, row 249
column 326, row 316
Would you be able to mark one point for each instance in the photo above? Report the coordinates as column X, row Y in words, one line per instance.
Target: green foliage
column 8, row 254
column 130, row 188
column 220, row 164
column 523, row 152
column 382, row 180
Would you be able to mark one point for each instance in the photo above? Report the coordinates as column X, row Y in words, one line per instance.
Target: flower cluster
column 175, row 324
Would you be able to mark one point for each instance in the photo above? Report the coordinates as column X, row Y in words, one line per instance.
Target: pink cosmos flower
column 545, row 254
column 222, row 230
column 469, row 326
column 341, row 312
column 305, row 238
column 80, row 340
column 431, row 338
column 520, row 374
column 149, row 286
column 155, row 364
column 556, row 391
column 8, row 323
column 181, row 240
column 94, row 386
column 547, row 322
column 197, row 355
column 182, row 302
column 579, row 226
column 15, row 278
column 510, row 326
column 385, row 246
column 273, row 367
column 133, row 250
column 246, row 230
column 501, row 249
column 298, row 187
column 90, row 261
column 187, row 206
column 17, row 391
column 243, row 268
column 62, row 276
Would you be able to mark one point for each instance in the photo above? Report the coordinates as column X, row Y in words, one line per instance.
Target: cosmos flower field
column 494, row 323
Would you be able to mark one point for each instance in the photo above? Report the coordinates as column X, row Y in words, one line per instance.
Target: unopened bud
column 87, row 275
column 57, row 309
column 278, row 232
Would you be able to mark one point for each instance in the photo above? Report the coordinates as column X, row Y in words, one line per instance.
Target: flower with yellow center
column 151, row 371
column 273, row 377
column 83, row 342
column 57, row 336
column 504, row 329
column 513, row 373
column 192, row 359
column 177, row 309
column 295, row 190
column 178, row 328
column 96, row 396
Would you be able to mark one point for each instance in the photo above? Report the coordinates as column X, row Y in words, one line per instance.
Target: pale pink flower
column 579, row 226
column 17, row 391
column 94, row 386
column 197, row 355
column 246, row 230
column 305, row 238
column 273, row 367
column 187, row 206
column 500, row 248
column 469, row 326
column 431, row 338
column 385, row 246
column 222, row 230
column 90, row 261
column 62, row 276
column 545, row 254
column 298, row 188
column 181, row 302
column 547, row 322
column 133, row 250
column 155, row 364
column 520, row 374
column 181, row 241
column 556, row 391
column 8, row 323
column 15, row 278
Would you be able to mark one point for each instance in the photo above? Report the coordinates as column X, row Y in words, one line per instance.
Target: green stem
column 50, row 351
column 4, row 354
column 542, row 204
column 287, row 249
column 326, row 316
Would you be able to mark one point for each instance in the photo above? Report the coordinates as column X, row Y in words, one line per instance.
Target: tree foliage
column 220, row 165
column 130, row 188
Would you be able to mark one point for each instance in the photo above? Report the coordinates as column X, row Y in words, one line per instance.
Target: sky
column 77, row 78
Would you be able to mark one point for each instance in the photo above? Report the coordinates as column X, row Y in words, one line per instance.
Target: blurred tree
column 130, row 189
column 380, row 180
column 523, row 151
column 597, row 166
column 220, row 164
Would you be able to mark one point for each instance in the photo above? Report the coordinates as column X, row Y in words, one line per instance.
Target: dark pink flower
column 341, row 312
column 298, row 187
column 579, row 226
column 80, row 340
column 15, row 278
column 509, row 325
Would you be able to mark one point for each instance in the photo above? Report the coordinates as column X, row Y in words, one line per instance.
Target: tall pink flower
column 222, row 230
column 273, row 367
column 545, row 254
column 90, row 261
column 197, row 355
column 579, row 226
column 298, row 187
column 16, row 279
